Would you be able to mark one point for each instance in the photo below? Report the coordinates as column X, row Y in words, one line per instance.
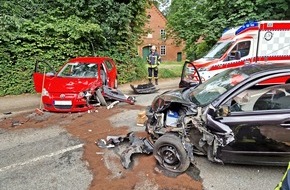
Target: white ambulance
column 253, row 42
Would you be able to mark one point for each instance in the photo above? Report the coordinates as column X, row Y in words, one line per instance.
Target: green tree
column 55, row 31
column 189, row 20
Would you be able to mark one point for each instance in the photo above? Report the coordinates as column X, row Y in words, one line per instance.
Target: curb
column 14, row 104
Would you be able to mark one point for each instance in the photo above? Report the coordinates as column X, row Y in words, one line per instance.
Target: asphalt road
column 50, row 158
column 217, row 176
column 46, row 158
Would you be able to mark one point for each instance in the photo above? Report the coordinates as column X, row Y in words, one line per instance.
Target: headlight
column 88, row 94
column 44, row 92
column 81, row 95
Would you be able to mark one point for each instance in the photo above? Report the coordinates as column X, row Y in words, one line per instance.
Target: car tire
column 170, row 153
column 101, row 97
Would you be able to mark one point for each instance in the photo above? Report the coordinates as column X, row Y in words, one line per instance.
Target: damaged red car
column 79, row 85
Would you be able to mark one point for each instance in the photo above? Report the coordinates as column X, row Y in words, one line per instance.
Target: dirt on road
column 105, row 164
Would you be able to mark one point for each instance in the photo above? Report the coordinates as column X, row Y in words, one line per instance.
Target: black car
column 239, row 116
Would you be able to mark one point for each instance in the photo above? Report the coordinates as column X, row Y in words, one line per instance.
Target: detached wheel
column 101, row 97
column 170, row 153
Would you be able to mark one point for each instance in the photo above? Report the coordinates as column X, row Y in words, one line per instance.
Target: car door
column 42, row 73
column 111, row 72
column 190, row 76
column 240, row 54
column 260, row 121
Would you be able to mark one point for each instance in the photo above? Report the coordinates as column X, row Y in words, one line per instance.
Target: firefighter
column 153, row 60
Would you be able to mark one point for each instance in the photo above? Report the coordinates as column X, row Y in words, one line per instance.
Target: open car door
column 40, row 74
column 190, row 76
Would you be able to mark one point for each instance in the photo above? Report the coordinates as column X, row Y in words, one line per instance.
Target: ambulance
column 253, row 42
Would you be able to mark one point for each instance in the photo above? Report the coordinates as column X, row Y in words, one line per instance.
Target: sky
column 164, row 5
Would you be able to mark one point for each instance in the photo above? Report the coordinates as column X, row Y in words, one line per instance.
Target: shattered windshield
column 208, row 91
column 218, row 50
column 79, row 70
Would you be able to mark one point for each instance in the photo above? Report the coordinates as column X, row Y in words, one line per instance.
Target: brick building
column 166, row 47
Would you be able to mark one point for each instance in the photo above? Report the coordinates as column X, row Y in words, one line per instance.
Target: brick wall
column 157, row 22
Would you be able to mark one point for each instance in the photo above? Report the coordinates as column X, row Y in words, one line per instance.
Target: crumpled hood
column 69, row 85
column 175, row 96
column 170, row 98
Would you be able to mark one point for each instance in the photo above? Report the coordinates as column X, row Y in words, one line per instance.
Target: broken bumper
column 144, row 88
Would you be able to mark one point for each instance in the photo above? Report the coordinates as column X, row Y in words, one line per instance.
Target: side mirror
column 223, row 111
column 234, row 55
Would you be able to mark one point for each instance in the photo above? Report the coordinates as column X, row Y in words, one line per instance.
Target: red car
column 78, row 86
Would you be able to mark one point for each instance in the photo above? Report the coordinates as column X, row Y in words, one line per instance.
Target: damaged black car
column 240, row 116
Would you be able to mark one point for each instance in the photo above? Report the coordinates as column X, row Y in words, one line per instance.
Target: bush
column 131, row 70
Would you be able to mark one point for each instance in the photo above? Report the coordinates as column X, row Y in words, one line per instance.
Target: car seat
column 269, row 101
column 91, row 72
column 283, row 102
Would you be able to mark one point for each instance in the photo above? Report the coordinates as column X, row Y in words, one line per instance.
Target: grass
column 167, row 69
column 170, row 69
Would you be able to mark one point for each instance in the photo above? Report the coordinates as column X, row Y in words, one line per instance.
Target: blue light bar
column 247, row 25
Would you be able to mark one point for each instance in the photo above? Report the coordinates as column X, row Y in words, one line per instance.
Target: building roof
column 153, row 7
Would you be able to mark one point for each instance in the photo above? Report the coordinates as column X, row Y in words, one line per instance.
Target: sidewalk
column 25, row 102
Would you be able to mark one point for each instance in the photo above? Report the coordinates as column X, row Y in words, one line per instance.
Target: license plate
column 62, row 102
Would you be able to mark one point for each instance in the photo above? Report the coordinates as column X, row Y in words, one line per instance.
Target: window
column 79, row 70
column 108, row 65
column 162, row 50
column 242, row 49
column 149, row 35
column 272, row 98
column 163, row 34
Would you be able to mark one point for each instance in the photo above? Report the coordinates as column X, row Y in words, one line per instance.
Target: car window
column 108, row 65
column 211, row 89
column 79, row 70
column 218, row 50
column 272, row 98
column 242, row 47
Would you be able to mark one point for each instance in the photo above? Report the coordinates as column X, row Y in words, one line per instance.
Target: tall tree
column 58, row 30
column 190, row 20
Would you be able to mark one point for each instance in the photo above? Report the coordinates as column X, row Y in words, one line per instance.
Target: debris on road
column 112, row 104
column 117, row 95
column 144, row 88
column 141, row 118
column 38, row 111
column 16, row 123
column 136, row 145
column 98, row 153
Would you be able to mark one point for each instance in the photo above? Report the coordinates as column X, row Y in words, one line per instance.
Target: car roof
column 89, row 59
column 256, row 71
column 255, row 68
